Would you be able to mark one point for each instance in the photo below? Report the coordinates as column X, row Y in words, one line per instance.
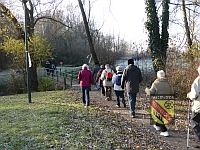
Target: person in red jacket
column 86, row 78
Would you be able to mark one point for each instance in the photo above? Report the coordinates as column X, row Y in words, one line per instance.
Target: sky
column 125, row 18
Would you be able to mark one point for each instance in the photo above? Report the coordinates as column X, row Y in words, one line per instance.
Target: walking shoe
column 132, row 116
column 118, row 106
column 107, row 99
column 156, row 127
column 164, row 133
column 196, row 146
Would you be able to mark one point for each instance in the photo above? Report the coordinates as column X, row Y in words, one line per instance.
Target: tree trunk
column 164, row 34
column 94, row 56
column 30, row 30
column 158, row 43
column 2, row 60
column 33, row 77
column 152, row 26
column 187, row 29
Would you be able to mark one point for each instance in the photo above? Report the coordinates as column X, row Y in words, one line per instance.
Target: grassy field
column 58, row 120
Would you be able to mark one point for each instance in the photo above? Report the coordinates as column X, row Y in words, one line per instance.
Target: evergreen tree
column 158, row 42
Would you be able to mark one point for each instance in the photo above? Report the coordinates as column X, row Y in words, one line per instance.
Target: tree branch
column 189, row 4
column 50, row 18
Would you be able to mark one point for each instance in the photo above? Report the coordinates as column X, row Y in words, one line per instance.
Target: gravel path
column 142, row 125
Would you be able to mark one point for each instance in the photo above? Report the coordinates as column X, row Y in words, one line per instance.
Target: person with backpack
column 119, row 92
column 85, row 77
column 98, row 79
column 106, row 76
column 131, row 79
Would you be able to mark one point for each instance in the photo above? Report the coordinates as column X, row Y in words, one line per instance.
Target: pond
column 144, row 64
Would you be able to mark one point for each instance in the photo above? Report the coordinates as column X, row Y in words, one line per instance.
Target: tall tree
column 158, row 43
column 31, row 22
column 187, row 29
column 38, row 47
column 94, row 56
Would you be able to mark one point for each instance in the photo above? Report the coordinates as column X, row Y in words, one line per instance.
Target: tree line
column 70, row 38
column 53, row 33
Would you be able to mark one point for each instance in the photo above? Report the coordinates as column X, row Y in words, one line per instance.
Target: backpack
column 109, row 76
column 118, row 80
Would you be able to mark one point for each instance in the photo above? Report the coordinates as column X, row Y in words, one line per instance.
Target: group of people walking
column 107, row 80
column 50, row 66
column 129, row 79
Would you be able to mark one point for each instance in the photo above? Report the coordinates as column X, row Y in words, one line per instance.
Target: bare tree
column 94, row 56
column 31, row 22
column 187, row 29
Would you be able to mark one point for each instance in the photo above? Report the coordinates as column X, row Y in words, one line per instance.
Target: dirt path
column 141, row 124
column 176, row 140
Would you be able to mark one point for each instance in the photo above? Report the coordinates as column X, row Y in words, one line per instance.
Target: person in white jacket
column 194, row 95
column 107, row 84
column 119, row 92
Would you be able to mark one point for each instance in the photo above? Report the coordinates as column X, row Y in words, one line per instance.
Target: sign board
column 162, row 108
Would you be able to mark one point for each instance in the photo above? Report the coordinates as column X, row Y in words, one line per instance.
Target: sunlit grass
column 54, row 120
column 58, row 120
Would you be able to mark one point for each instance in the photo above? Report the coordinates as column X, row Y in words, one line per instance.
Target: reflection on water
column 145, row 65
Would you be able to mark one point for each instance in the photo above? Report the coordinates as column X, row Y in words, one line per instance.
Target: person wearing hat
column 107, row 84
column 159, row 87
column 194, row 95
column 119, row 92
column 131, row 79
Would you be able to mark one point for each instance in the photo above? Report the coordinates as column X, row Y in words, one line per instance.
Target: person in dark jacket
column 131, row 79
column 47, row 67
column 85, row 77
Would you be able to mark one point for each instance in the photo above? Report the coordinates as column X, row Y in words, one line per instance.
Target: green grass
column 58, row 120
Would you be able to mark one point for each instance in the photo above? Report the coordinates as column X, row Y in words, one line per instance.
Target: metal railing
column 65, row 75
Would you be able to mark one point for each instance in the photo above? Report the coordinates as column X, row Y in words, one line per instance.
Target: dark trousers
column 162, row 127
column 195, row 127
column 119, row 94
column 85, row 95
column 108, row 92
column 102, row 91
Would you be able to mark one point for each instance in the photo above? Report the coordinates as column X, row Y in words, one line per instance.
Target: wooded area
column 69, row 35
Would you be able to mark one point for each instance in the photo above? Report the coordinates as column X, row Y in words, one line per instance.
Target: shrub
column 48, row 84
column 181, row 70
